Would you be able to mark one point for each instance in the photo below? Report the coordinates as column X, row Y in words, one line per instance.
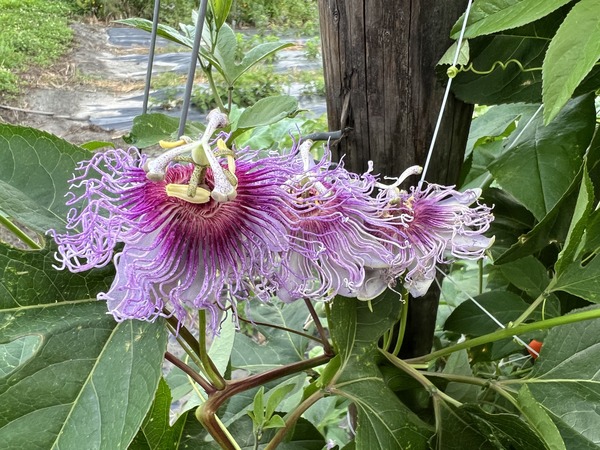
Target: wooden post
column 379, row 59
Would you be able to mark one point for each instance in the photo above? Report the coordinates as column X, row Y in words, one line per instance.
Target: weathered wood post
column 379, row 60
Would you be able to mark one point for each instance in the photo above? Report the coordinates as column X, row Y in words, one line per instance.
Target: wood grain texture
column 379, row 59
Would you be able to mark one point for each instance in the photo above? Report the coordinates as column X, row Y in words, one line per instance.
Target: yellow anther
column 172, row 144
column 181, row 191
column 221, row 145
column 231, row 164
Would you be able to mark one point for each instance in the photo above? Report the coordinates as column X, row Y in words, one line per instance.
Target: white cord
column 489, row 314
column 446, row 94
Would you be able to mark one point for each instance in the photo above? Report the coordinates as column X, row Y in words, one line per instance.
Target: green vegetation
column 277, row 13
column 171, row 12
column 34, row 33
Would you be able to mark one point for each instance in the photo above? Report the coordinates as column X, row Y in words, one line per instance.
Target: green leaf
column 15, row 203
column 35, row 167
column 571, row 55
column 548, row 157
column 572, row 275
column 491, row 16
column 383, row 421
column 88, row 385
column 539, row 420
column 265, row 112
column 527, row 274
column 164, row 31
column 565, row 380
column 274, row 422
column 463, row 55
column 148, row 129
column 83, row 381
column 220, row 10
column 469, row 319
column 95, row 145
column 225, row 51
column 276, row 396
column 469, row 427
column 458, row 364
column 156, row 433
column 279, row 346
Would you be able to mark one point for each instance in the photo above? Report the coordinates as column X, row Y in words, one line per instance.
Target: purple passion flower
column 435, row 225
column 333, row 241
column 179, row 253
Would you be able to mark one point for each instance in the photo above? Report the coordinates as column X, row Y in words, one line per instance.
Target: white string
column 446, row 94
column 482, row 308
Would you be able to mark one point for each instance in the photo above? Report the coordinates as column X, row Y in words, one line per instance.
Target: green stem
column 543, row 296
column 292, row 418
column 190, row 349
column 19, row 233
column 402, row 329
column 324, row 340
column 209, row 366
column 213, row 88
column 206, row 413
column 473, row 380
column 422, row 379
column 509, row 332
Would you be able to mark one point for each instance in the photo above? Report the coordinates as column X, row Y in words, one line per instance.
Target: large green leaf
column 470, row 427
column 83, row 381
column 578, row 272
column 540, row 420
column 35, row 167
column 565, row 380
column 571, row 55
column 542, row 164
column 383, row 421
column 491, row 16
column 156, row 432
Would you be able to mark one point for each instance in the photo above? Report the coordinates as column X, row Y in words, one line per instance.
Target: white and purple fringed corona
column 204, row 227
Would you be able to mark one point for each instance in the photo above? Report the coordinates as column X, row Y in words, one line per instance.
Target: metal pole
column 192, row 72
column 151, row 55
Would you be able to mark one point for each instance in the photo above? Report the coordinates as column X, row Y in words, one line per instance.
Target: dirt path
column 60, row 99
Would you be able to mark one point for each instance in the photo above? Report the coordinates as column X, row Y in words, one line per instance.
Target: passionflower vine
column 434, row 225
column 333, row 241
column 190, row 236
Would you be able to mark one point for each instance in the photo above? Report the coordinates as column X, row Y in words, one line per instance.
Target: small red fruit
column 534, row 345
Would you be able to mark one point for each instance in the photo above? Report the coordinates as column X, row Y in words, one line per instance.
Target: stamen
column 224, row 190
column 156, row 168
column 181, row 191
column 412, row 170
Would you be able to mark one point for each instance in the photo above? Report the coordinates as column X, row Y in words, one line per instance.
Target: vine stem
column 19, row 233
column 324, row 339
column 190, row 372
column 206, row 413
column 293, row 417
column 508, row 332
column 543, row 296
column 209, row 366
column 418, row 376
column 402, row 329
column 279, row 327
